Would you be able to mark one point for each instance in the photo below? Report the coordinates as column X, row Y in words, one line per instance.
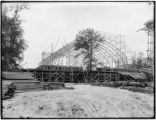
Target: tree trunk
column 90, row 60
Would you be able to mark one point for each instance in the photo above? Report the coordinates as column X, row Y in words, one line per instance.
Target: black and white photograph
column 78, row 59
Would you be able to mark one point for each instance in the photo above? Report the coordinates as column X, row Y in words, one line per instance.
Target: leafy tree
column 13, row 44
column 86, row 42
column 133, row 64
column 138, row 62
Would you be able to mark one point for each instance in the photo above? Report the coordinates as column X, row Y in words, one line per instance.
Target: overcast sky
column 58, row 23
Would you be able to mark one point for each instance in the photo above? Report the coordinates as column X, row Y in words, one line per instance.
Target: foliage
column 13, row 43
column 138, row 62
column 86, row 42
column 148, row 26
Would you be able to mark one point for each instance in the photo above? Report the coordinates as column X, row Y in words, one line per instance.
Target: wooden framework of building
column 81, row 76
column 111, row 53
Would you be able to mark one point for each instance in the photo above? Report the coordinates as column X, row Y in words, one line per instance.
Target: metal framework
column 111, row 53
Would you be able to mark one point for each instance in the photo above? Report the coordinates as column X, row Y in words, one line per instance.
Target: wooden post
column 119, row 77
column 86, row 76
column 98, row 76
column 103, row 76
column 35, row 75
column 64, row 77
column 71, row 76
column 79, row 77
column 57, row 77
column 110, row 76
column 42, row 77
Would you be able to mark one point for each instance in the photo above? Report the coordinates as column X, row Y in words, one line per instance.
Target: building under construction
column 111, row 65
column 110, row 53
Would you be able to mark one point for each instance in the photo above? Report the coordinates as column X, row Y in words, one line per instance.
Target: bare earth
column 83, row 101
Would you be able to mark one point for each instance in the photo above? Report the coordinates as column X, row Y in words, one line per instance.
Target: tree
column 133, row 64
column 86, row 42
column 13, row 43
column 138, row 62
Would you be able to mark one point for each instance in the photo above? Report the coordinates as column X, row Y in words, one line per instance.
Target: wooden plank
column 26, row 82
column 17, row 75
column 21, row 91
column 28, row 88
column 56, row 83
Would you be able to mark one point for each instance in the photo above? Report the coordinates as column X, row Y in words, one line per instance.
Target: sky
column 52, row 25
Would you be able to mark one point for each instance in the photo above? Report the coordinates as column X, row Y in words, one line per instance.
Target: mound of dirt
column 82, row 101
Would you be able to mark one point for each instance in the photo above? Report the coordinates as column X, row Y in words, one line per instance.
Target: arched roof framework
column 111, row 49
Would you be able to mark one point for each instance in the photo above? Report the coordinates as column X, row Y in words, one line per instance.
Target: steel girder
column 107, row 53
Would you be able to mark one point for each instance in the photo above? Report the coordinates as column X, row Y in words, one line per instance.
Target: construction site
column 62, row 85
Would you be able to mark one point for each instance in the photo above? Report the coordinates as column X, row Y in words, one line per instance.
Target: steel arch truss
column 110, row 53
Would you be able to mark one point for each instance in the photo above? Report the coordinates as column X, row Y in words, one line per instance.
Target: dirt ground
column 82, row 101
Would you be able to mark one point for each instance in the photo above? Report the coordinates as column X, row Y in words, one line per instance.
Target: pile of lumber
column 120, row 83
column 52, row 85
column 8, row 89
column 24, row 81
column 139, row 89
column 27, row 86
column 17, row 76
column 55, row 86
